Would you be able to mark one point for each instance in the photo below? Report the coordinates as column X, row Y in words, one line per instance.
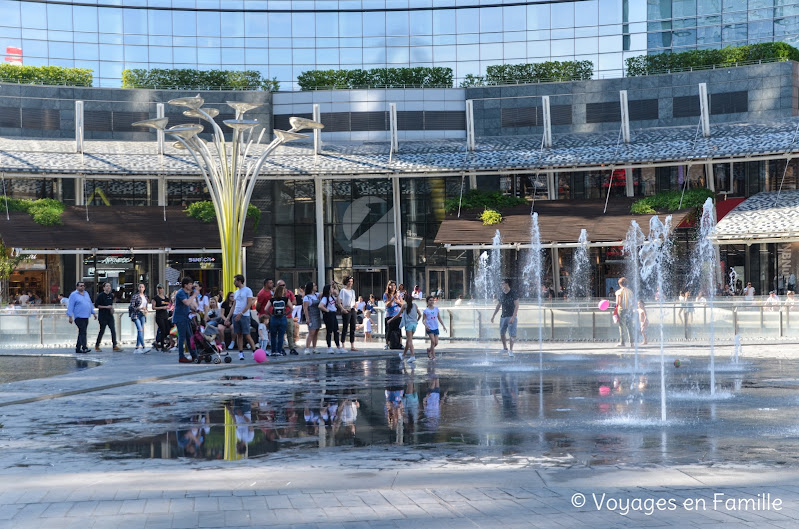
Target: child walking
column 409, row 318
column 642, row 318
column 329, row 305
column 432, row 318
column 367, row 326
column 262, row 332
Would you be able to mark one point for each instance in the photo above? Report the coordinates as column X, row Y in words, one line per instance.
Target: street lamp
column 230, row 172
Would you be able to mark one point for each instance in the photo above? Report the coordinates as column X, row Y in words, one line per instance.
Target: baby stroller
column 204, row 342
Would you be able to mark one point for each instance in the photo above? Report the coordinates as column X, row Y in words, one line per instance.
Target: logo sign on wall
column 358, row 232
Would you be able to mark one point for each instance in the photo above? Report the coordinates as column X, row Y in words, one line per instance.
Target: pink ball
column 259, row 356
column 604, row 304
column 604, row 391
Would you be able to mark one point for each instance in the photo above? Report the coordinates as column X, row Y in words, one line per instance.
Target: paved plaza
column 54, row 474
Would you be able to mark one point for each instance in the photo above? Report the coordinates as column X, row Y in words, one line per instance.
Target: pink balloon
column 259, row 356
column 604, row 391
column 604, row 304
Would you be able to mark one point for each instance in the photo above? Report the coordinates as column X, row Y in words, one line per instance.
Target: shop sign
column 208, row 259
column 33, row 262
column 110, row 262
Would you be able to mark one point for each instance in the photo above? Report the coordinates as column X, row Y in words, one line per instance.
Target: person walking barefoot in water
column 644, row 320
column 409, row 318
column 432, row 318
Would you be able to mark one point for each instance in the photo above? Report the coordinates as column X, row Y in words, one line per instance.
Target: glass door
column 436, row 282
column 456, row 283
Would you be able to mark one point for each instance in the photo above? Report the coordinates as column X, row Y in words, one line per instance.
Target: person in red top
column 290, row 323
column 264, row 296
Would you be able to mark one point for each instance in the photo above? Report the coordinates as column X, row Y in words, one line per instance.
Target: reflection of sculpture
column 229, row 173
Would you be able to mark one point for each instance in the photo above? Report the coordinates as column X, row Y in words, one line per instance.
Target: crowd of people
column 269, row 320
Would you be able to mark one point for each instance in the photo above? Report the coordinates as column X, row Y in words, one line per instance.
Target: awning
column 761, row 218
column 114, row 227
column 559, row 221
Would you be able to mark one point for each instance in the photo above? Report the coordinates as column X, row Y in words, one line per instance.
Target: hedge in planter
column 189, row 79
column 421, row 76
column 725, row 57
column 45, row 75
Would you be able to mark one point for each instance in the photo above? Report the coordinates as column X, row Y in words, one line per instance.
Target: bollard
column 451, row 328
column 479, row 325
column 593, row 325
column 41, row 330
column 762, row 319
column 782, row 333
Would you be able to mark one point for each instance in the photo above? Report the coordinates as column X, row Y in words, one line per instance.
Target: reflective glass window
column 733, row 32
column 514, row 18
column 565, row 33
column 34, row 34
column 159, row 22
column 708, row 35
column 183, row 23
column 761, row 29
column 760, row 14
column 351, row 55
column 255, row 25
column 538, row 16
column 786, row 11
column 468, row 38
column 398, row 55
column 610, row 11
column 420, row 40
column 232, row 24
column 231, row 56
column 111, row 52
column 304, row 55
column 34, row 48
column 208, row 23
column 515, row 50
column 136, row 40
column 110, row 38
column 785, row 26
column 398, row 24
column 303, row 25
column 280, row 24
column 587, row 15
column 85, row 18
column 421, row 22
column 684, row 8
column 135, row 21
column 9, row 13
column 563, row 15
column 279, row 55
column 444, row 53
column 658, row 9
column 734, row 5
column 162, row 54
column 444, row 22
column 561, row 48
column 684, row 23
column 708, row 7
column 327, row 55
column 327, row 24
column 468, row 20
column 490, row 52
column 683, row 37
column 538, row 50
column 349, row 24
column 658, row 40
column 255, row 55
column 421, row 54
column 208, row 56
column 468, row 52
column 185, row 55
column 486, row 38
column 374, row 24
column 59, row 17
column 137, row 53
column 34, row 15
column 586, row 45
column 491, row 19
column 60, row 50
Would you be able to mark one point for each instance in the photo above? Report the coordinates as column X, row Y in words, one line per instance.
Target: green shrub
column 190, row 79
column 668, row 201
column 475, row 199
column 45, row 75
column 473, row 80
column 490, row 217
column 725, row 57
column 206, row 212
column 420, row 76
column 538, row 72
column 44, row 211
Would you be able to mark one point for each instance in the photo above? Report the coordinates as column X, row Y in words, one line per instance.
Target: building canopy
column 559, row 221
column 764, row 217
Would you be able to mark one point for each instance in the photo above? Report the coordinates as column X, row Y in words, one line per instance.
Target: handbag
column 616, row 314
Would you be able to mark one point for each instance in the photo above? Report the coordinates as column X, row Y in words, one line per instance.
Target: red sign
column 14, row 51
column 14, row 55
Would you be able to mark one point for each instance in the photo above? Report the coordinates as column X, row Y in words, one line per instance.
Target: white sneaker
column 231, row 346
column 241, row 356
column 385, row 347
column 138, row 351
column 504, row 351
column 510, row 353
column 306, row 351
column 341, row 350
column 330, row 350
column 173, row 350
column 412, row 360
column 145, row 351
column 401, row 356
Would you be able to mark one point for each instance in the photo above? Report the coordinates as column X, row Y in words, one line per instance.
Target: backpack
column 278, row 307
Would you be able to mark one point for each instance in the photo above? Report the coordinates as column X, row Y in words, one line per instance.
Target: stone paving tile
column 185, row 519
column 181, row 505
column 278, row 502
column 240, row 518
column 132, row 507
column 206, row 504
column 211, row 519
column 83, row 508
column 230, row 503
column 158, row 521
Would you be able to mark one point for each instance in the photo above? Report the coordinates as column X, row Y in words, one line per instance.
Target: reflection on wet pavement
column 589, row 410
column 15, row 368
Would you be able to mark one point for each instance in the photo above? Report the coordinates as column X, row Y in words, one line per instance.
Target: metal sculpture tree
column 230, row 171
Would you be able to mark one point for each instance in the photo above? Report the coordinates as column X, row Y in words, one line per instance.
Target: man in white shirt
column 240, row 314
column 749, row 292
column 348, row 313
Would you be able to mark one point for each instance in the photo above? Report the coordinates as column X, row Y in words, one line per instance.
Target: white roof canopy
column 762, row 218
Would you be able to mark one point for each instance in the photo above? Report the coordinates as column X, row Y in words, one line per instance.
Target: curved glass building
column 283, row 38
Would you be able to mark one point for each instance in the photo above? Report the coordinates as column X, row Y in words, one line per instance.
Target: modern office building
column 382, row 195
column 283, row 38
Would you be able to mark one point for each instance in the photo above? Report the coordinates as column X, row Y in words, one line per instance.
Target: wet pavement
column 14, row 368
column 450, row 435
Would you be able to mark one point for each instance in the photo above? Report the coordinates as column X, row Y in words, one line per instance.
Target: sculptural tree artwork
column 230, row 170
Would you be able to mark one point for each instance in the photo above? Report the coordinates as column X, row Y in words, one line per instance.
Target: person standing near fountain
column 624, row 302
column 509, row 302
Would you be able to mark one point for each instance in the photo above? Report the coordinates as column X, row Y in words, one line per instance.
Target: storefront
column 206, row 268
column 39, row 275
column 124, row 272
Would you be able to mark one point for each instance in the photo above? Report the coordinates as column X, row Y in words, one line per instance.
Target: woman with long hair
column 310, row 305
column 393, row 305
column 409, row 319
column 329, row 305
column 279, row 306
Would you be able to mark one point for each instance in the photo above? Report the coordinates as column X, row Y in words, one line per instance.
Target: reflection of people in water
column 509, row 391
column 245, row 432
column 394, row 397
column 433, row 400
column 192, row 438
column 347, row 415
column 410, row 403
column 266, row 418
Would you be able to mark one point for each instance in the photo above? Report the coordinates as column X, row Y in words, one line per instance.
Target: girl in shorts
column 432, row 318
column 409, row 317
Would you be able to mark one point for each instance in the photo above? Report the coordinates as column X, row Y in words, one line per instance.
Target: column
column 395, row 184
column 320, row 231
column 555, row 270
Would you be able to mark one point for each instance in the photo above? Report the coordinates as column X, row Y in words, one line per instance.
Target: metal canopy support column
column 317, row 133
column 625, row 116
column 709, row 177
column 552, row 189
column 629, row 186
column 555, row 270
column 159, row 113
column 392, row 118
column 704, row 110
column 470, row 142
column 79, row 126
column 80, row 195
column 320, row 232
column 395, row 186
column 547, row 121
